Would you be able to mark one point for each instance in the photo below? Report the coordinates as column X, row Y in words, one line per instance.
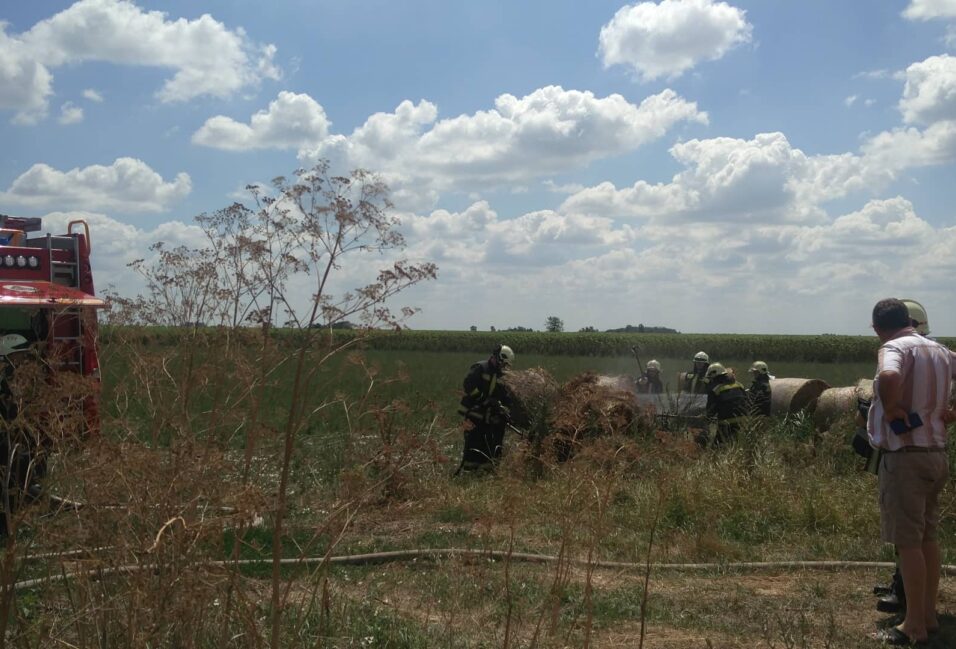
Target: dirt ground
column 794, row 609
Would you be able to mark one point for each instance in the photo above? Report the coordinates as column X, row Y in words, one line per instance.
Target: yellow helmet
column 714, row 370
column 759, row 367
column 917, row 315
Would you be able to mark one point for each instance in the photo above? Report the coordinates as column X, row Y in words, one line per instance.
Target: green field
column 195, row 424
column 744, row 348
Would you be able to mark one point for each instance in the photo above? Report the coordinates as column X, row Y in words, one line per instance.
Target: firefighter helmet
column 653, row 365
column 917, row 315
column 714, row 370
column 759, row 367
column 504, row 355
column 10, row 342
column 701, row 357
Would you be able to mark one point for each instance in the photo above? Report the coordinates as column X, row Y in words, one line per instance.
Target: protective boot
column 895, row 600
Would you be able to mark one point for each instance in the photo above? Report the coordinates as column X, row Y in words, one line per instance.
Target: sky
column 725, row 167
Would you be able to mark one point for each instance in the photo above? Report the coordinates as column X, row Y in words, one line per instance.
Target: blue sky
column 711, row 166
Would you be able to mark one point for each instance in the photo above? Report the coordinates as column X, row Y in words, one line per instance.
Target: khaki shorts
column 910, row 484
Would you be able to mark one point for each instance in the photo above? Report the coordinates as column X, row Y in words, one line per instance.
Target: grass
column 377, row 477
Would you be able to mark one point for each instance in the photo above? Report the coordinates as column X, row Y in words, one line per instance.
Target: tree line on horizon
column 554, row 324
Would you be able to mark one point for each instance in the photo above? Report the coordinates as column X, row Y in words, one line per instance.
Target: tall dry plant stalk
column 596, row 451
column 42, row 413
column 206, row 422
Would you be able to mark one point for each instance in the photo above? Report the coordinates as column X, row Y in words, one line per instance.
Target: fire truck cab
column 47, row 315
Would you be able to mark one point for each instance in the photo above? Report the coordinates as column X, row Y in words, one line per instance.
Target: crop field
column 180, row 543
column 820, row 349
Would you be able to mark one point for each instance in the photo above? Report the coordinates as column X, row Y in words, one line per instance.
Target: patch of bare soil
column 799, row 609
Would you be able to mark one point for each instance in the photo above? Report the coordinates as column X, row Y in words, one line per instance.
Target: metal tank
column 671, row 409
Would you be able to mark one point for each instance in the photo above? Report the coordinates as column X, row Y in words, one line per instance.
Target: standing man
column 907, row 422
column 485, row 409
column 893, row 597
column 726, row 401
column 759, row 392
column 650, row 382
column 694, row 382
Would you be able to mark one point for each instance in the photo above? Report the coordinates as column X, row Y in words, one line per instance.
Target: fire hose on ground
column 435, row 554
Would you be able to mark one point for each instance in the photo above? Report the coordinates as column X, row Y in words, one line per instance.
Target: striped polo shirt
column 927, row 369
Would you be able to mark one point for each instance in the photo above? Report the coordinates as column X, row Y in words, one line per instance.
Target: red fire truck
column 47, row 313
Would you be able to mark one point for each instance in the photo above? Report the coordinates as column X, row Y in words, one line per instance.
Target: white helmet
column 653, row 365
column 10, row 342
column 505, row 355
column 714, row 370
column 701, row 357
column 759, row 367
column 918, row 315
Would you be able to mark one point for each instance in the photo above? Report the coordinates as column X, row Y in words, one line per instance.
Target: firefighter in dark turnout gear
column 21, row 458
column 726, row 401
column 650, row 382
column 759, row 391
column 695, row 382
column 485, row 407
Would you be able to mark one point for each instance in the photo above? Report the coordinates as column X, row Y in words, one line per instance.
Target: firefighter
column 485, row 407
column 726, row 401
column 918, row 318
column 650, row 382
column 694, row 381
column 19, row 451
column 759, row 391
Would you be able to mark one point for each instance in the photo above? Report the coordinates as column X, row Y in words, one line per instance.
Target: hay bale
column 832, row 404
column 532, row 392
column 789, row 396
column 835, row 403
column 588, row 407
column 865, row 388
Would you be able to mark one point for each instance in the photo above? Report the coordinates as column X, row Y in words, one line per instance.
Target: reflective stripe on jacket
column 482, row 390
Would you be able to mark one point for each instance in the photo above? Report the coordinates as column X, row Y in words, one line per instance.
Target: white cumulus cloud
column 668, row 38
column 928, row 133
column 25, row 83
column 70, row 113
column 880, row 227
column 550, row 131
column 929, row 94
column 92, row 95
column 929, row 9
column 905, row 148
column 127, row 185
column 764, row 179
column 767, row 180
column 292, row 121
column 744, row 276
column 206, row 57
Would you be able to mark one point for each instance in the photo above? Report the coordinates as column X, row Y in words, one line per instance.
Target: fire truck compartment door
column 45, row 295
